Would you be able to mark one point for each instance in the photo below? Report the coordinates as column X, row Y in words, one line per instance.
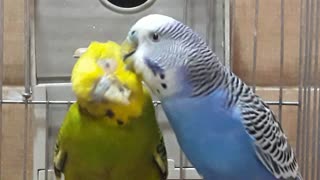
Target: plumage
column 101, row 139
column 224, row 128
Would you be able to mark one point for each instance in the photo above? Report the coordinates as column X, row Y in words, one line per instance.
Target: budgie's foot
column 110, row 89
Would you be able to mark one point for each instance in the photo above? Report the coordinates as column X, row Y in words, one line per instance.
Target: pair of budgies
column 111, row 132
column 224, row 128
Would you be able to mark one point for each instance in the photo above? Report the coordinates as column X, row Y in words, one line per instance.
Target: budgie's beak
column 128, row 48
column 117, row 92
column 110, row 89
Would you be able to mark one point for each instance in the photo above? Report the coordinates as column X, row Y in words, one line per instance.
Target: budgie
column 225, row 129
column 111, row 132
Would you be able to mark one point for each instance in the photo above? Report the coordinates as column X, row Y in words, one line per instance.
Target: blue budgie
column 224, row 128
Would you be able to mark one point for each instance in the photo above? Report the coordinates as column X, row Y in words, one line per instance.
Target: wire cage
column 276, row 52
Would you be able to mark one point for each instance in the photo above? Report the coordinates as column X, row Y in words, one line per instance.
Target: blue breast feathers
column 213, row 137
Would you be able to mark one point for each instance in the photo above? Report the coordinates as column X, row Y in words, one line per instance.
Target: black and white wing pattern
column 271, row 144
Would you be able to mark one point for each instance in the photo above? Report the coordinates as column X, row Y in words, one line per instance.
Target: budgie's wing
column 271, row 144
column 60, row 152
column 160, row 157
column 160, row 153
column 59, row 160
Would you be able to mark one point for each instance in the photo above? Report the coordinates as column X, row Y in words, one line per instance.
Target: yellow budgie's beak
column 128, row 48
column 109, row 88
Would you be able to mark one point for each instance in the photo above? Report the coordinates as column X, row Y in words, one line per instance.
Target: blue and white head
column 171, row 59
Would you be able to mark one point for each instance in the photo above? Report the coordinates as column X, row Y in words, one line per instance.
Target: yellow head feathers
column 103, row 61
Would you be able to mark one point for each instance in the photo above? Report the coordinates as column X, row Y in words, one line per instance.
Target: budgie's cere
column 111, row 132
column 226, row 131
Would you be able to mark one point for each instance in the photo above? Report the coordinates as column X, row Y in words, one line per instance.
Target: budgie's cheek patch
column 155, row 68
column 163, row 83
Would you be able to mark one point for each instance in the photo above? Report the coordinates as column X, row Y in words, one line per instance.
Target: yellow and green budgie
column 111, row 132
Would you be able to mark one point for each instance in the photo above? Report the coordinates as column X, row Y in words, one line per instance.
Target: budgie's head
column 168, row 55
column 100, row 77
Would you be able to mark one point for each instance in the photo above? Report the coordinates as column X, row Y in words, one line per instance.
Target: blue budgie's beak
column 130, row 45
column 128, row 48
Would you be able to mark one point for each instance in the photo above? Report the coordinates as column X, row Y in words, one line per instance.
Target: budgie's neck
column 206, row 74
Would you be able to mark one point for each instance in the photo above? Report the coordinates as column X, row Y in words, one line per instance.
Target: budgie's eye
column 155, row 37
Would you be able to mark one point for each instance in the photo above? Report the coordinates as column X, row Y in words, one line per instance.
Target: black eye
column 155, row 37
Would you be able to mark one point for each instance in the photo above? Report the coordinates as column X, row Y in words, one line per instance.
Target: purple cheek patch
column 155, row 68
